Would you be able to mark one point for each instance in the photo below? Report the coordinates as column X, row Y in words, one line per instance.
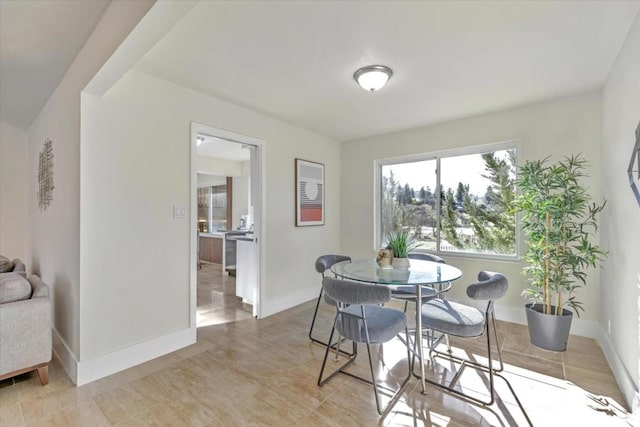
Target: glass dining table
column 436, row 277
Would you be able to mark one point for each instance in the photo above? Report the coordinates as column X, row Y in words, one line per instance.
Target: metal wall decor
column 45, row 176
column 634, row 167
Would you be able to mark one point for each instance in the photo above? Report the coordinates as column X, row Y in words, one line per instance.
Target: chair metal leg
column 317, row 341
column 373, row 382
column 335, row 357
column 313, row 321
column 493, row 372
column 350, row 360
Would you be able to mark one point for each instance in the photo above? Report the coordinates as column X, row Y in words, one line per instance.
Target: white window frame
column 437, row 155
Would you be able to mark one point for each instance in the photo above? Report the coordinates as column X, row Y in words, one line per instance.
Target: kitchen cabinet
column 211, row 247
column 215, row 207
column 246, row 269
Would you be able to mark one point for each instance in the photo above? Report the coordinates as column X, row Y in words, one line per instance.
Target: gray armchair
column 25, row 326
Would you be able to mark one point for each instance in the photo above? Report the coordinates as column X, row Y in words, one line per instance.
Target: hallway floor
column 217, row 301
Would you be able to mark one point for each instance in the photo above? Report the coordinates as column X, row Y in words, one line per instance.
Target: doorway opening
column 226, row 220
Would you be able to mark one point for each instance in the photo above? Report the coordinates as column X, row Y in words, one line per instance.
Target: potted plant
column 559, row 221
column 401, row 243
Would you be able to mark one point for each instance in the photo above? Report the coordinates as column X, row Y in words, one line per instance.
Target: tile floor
column 216, row 299
column 263, row 373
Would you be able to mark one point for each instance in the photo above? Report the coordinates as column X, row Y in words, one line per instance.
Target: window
column 454, row 203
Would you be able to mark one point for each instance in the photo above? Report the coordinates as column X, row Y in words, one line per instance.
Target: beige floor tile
column 113, row 381
column 597, row 382
column 83, row 413
column 192, row 410
column 509, row 328
column 28, row 387
column 315, row 419
column 8, row 393
column 264, row 372
column 158, row 415
column 120, row 403
column 532, row 363
column 11, row 415
column 522, row 344
column 580, row 354
column 44, row 406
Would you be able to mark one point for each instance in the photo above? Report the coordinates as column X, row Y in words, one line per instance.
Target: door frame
column 257, row 195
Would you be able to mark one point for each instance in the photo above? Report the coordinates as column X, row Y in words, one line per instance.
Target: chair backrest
column 489, row 287
column 425, row 256
column 325, row 262
column 349, row 292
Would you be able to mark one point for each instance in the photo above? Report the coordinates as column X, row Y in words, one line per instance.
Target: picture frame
column 310, row 193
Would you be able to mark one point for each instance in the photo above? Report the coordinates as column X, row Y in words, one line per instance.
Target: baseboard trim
column 108, row 364
column 65, row 356
column 274, row 306
column 91, row 370
column 623, row 378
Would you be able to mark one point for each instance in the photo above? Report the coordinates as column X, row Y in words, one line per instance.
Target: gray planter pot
column 401, row 263
column 548, row 331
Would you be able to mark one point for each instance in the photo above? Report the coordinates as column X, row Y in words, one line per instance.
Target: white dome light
column 373, row 77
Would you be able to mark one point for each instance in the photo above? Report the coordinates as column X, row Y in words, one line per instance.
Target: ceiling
column 38, row 42
column 222, row 149
column 295, row 60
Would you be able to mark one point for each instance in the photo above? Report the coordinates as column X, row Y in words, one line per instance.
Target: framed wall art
column 310, row 195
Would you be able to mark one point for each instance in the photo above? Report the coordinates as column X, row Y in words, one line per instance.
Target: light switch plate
column 179, row 211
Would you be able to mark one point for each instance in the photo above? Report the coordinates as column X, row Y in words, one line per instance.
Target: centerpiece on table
column 400, row 243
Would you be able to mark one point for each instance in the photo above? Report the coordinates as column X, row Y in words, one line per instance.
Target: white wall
column 556, row 128
column 55, row 233
column 620, row 294
column 14, row 190
column 141, row 129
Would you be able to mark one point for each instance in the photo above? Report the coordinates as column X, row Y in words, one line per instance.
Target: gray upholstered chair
column 360, row 319
column 25, row 326
column 465, row 321
column 324, row 263
column 425, row 256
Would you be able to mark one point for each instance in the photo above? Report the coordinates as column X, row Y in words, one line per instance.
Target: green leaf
column 556, row 190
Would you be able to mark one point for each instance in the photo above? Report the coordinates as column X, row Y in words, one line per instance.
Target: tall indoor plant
column 559, row 221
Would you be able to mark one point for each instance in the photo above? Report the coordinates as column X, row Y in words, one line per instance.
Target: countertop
column 230, row 235
column 216, row 234
column 243, row 237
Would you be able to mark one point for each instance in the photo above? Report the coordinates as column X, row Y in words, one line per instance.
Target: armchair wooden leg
column 43, row 374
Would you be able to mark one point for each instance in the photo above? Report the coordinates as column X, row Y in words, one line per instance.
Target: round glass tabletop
column 419, row 273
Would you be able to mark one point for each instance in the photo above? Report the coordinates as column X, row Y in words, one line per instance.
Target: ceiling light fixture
column 373, row 77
